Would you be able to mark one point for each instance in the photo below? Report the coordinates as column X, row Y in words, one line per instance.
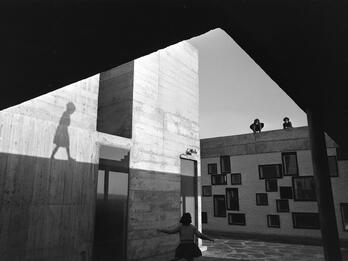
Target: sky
column 234, row 90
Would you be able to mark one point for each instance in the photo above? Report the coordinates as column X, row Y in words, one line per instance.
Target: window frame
column 223, row 171
column 294, row 190
column 336, row 166
column 219, row 175
column 286, row 187
column 240, row 178
column 209, row 194
column 229, row 220
column 278, row 201
column 268, row 180
column 305, row 213
column 210, row 164
column 284, row 165
column 280, row 170
column 342, row 205
column 259, row 194
column 269, row 223
column 230, row 208
column 224, row 200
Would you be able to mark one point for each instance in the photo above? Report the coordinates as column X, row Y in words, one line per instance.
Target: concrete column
column 325, row 201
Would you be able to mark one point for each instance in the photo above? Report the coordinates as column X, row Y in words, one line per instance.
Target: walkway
column 232, row 249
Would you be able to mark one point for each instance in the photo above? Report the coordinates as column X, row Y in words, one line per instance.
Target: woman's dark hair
column 286, row 118
column 186, row 219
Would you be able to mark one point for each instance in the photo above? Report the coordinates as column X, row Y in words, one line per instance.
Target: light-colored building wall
column 249, row 151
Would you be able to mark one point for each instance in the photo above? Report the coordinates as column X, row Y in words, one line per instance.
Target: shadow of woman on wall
column 61, row 137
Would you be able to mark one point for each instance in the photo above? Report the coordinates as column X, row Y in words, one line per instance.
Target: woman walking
column 187, row 248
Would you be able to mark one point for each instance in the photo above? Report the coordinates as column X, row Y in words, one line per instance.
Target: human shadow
column 61, row 137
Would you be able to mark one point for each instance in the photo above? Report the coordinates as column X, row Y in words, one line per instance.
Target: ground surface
column 232, row 249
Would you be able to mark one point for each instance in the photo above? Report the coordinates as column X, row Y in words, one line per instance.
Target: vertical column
column 326, row 207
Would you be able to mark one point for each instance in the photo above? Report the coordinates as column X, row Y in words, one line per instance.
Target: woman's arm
column 170, row 231
column 202, row 236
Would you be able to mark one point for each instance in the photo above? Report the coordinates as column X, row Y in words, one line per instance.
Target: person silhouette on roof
column 287, row 123
column 256, row 126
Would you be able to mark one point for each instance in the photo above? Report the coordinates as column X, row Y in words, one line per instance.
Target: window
column 344, row 212
column 212, row 168
column 333, row 170
column 306, row 220
column 236, row 179
column 304, row 188
column 273, row 221
column 261, row 199
column 219, row 206
column 206, row 191
column 204, row 218
column 290, row 167
column 342, row 153
column 285, row 192
column 271, row 185
column 219, row 179
column 282, row 205
column 225, row 164
column 236, row 219
column 232, row 200
column 271, row 171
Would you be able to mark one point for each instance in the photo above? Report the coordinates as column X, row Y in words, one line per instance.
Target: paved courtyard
column 232, row 249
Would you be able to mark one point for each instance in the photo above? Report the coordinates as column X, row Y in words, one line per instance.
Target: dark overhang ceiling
column 301, row 45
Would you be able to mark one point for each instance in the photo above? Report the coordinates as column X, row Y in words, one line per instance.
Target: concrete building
column 261, row 185
column 90, row 171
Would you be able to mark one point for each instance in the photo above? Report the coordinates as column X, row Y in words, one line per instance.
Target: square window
column 219, row 179
column 344, row 212
column 290, row 166
column 206, row 191
column 285, row 192
column 333, row 169
column 236, row 219
column 282, row 205
column 232, row 200
column 219, row 206
column 212, row 168
column 204, row 218
column 225, row 164
column 236, row 179
column 261, row 199
column 270, row 171
column 304, row 188
column 271, row 185
column 342, row 153
column 306, row 220
column 273, row 221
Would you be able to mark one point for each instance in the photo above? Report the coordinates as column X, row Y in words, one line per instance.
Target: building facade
column 262, row 185
column 90, row 171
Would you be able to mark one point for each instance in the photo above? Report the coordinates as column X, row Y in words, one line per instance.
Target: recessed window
column 306, row 220
column 273, row 221
column 271, row 185
column 236, row 219
column 270, row 171
column 333, row 169
column 219, row 206
column 236, row 179
column 206, row 191
column 212, row 168
column 304, row 188
column 285, row 192
column 225, row 164
column 290, row 167
column 344, row 212
column 282, row 205
column 204, row 218
column 232, row 200
column 261, row 199
column 342, row 153
column 219, row 179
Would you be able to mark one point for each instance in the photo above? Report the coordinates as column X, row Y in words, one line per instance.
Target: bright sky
column 234, row 90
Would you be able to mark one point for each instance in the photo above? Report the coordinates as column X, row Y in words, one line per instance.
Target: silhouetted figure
column 187, row 248
column 256, row 126
column 61, row 138
column 287, row 123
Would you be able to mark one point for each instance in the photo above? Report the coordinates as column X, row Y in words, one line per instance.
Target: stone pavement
column 232, row 249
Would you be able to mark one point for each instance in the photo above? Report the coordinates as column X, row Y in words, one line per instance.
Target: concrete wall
column 247, row 152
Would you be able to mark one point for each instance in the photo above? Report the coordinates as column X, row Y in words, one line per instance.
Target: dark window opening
column 261, row 199
column 270, row 171
column 236, row 179
column 342, row 153
column 225, row 164
column 273, row 221
column 204, row 218
column 271, row 185
column 232, row 200
column 290, row 166
column 206, row 191
column 219, row 179
column 219, row 206
column 304, row 188
column 212, row 168
column 333, row 169
column 344, row 213
column 285, row 192
column 282, row 205
column 306, row 220
column 236, row 219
